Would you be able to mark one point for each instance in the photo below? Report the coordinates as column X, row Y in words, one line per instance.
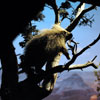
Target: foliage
column 97, row 74
column 86, row 20
column 28, row 34
column 65, row 5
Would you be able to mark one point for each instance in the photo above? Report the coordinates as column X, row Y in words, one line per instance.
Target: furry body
column 45, row 47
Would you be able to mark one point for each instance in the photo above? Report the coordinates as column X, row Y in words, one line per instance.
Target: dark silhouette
column 15, row 16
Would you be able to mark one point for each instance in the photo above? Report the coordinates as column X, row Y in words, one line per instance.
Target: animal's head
column 60, row 30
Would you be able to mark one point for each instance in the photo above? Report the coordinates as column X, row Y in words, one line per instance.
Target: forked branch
column 81, row 66
column 77, row 19
column 68, row 66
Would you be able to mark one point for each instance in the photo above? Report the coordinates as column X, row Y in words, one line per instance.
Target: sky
column 82, row 34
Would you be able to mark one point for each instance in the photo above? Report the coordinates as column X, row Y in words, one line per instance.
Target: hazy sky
column 83, row 34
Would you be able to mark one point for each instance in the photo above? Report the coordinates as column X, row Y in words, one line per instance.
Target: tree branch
column 93, row 2
column 74, row 47
column 56, row 14
column 62, row 68
column 68, row 65
column 80, row 8
column 82, row 51
column 81, row 66
column 91, row 44
column 53, row 4
column 77, row 19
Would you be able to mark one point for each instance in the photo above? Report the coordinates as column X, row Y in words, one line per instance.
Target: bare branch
column 62, row 19
column 77, row 19
column 61, row 68
column 68, row 65
column 74, row 47
column 81, row 66
column 80, row 8
column 82, row 51
column 91, row 44
column 81, row 3
column 93, row 2
column 48, row 6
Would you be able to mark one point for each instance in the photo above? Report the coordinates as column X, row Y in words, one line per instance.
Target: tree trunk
column 9, row 72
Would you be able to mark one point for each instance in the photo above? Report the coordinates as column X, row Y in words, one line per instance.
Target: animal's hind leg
column 50, row 81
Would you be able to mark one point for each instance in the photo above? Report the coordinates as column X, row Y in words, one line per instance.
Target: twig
column 94, row 58
column 72, row 48
column 48, row 6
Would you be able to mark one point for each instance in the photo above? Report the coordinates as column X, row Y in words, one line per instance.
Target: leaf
column 65, row 5
column 63, row 13
column 86, row 20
